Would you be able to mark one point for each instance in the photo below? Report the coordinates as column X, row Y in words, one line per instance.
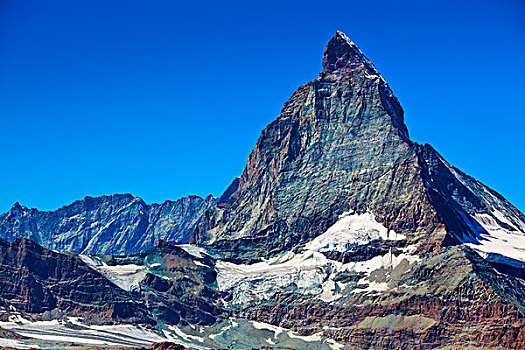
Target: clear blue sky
column 163, row 99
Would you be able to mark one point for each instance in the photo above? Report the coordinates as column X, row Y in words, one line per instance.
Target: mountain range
column 340, row 233
column 118, row 224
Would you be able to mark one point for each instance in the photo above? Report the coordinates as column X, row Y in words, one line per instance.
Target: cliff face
column 36, row 280
column 118, row 224
column 341, row 144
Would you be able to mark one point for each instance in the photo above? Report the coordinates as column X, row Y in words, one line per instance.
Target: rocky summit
column 341, row 233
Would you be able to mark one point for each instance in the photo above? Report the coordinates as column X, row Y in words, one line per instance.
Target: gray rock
column 341, row 144
column 118, row 224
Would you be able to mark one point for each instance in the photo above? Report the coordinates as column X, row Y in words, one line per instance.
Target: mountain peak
column 17, row 207
column 342, row 53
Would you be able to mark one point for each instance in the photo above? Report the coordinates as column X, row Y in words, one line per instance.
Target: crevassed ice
column 307, row 273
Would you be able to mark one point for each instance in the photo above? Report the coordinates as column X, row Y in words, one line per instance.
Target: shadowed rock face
column 118, row 224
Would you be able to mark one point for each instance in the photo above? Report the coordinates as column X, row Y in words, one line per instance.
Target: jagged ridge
column 118, row 224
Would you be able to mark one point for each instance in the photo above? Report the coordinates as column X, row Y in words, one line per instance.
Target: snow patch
column 371, row 286
column 307, row 338
column 334, row 345
column 506, row 244
column 127, row 276
column 232, row 324
column 352, row 230
column 61, row 331
column 17, row 344
column 69, row 339
column 197, row 252
column 198, row 263
column 261, row 325
column 187, row 337
column 270, row 341
column 496, row 239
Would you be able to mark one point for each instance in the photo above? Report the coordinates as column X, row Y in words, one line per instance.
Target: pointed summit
column 335, row 147
column 341, row 53
column 343, row 60
column 17, row 207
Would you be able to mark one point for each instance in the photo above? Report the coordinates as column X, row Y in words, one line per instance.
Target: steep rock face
column 483, row 205
column 339, row 144
column 179, row 286
column 118, row 224
column 362, row 228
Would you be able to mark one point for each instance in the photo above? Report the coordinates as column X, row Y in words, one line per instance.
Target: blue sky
column 164, row 99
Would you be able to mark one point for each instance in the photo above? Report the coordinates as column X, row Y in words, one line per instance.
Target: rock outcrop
column 36, row 280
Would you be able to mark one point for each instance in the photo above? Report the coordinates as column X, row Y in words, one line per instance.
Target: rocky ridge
column 117, row 224
column 108, row 289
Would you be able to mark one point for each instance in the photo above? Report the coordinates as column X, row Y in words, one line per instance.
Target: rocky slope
column 91, row 298
column 453, row 298
column 308, row 299
column 169, row 293
column 118, row 224
column 164, row 284
column 37, row 280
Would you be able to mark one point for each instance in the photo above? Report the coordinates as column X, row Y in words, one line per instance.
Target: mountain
column 340, row 145
column 118, row 224
column 341, row 224
column 341, row 233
